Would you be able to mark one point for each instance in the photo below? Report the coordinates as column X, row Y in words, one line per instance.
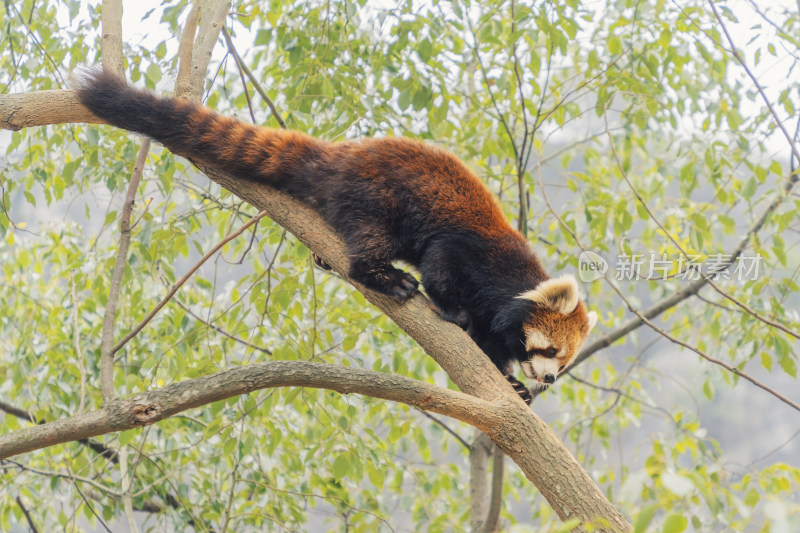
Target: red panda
column 389, row 199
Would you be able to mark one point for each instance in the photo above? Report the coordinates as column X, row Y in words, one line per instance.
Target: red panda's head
column 555, row 329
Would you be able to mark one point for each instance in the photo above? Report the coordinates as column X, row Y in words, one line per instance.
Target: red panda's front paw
column 404, row 285
column 521, row 389
column 385, row 279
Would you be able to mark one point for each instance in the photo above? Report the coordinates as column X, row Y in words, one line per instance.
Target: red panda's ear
column 559, row 294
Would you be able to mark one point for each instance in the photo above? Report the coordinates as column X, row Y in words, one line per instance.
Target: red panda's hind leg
column 459, row 317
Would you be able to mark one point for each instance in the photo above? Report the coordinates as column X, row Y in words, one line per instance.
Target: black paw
column 402, row 284
column 521, row 389
column 321, row 262
column 386, row 280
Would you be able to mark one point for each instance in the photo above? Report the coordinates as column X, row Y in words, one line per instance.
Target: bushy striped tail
column 199, row 134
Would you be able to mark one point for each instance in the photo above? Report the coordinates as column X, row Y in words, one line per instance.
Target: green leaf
column 614, row 45
column 421, row 98
column 788, row 364
column 749, row 188
column 675, row 523
column 404, row 100
column 644, row 518
column 153, row 74
column 341, row 466
column 425, row 49
column 125, row 437
column 708, row 389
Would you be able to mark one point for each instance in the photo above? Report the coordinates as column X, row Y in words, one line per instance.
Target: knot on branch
column 146, row 413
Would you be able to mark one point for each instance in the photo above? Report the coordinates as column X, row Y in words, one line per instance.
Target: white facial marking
column 536, row 339
column 543, row 366
column 538, row 367
column 527, row 369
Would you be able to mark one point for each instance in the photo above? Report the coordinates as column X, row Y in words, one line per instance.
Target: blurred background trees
column 650, row 131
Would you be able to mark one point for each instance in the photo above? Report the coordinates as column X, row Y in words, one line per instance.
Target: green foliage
column 521, row 91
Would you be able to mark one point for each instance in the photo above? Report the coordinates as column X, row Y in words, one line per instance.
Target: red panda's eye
column 561, row 368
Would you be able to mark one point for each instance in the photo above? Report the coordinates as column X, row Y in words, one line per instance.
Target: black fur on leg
column 460, row 317
column 521, row 389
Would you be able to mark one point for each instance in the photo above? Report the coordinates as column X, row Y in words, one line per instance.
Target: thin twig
column 183, row 280
column 126, row 481
column 522, row 222
column 672, row 300
column 249, row 73
column 738, row 56
column 27, row 514
column 69, row 476
column 231, row 493
column 447, row 428
column 335, row 499
column 89, row 505
column 142, row 214
column 489, row 86
column 218, row 329
column 78, row 352
column 244, row 82
column 106, row 350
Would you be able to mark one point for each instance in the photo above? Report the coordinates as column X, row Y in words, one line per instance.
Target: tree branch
column 27, row 514
column 78, row 351
column 111, row 43
column 708, row 279
column 496, row 498
column 41, row 108
column 150, row 407
column 691, row 289
column 479, row 496
column 109, row 318
column 738, row 56
column 486, row 500
column 183, row 88
column 213, row 13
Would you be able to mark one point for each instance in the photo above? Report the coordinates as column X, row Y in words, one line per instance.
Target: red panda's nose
column 549, row 378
